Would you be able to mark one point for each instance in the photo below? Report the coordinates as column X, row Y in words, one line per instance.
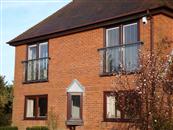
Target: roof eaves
column 46, row 36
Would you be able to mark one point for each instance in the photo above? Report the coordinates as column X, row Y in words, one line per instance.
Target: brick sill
column 35, row 81
column 38, row 118
column 120, row 120
column 104, row 74
column 74, row 122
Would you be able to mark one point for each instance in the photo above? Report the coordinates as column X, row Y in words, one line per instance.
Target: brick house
column 65, row 62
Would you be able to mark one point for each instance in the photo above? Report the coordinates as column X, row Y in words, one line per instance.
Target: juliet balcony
column 120, row 58
column 35, row 70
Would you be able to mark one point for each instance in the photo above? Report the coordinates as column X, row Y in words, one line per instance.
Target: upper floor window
column 36, row 65
column 121, row 52
column 121, row 106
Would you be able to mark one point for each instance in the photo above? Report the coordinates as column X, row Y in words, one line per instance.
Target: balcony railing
column 120, row 58
column 35, row 70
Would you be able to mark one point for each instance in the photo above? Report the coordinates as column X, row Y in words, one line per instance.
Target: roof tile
column 84, row 12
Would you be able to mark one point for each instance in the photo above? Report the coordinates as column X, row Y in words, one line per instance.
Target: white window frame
column 28, row 108
column 123, row 42
column 40, row 44
column 124, row 33
column 107, row 34
column 29, row 52
column 121, row 28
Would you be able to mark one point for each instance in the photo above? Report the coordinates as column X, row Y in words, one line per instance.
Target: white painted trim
column 129, row 24
column 75, row 87
column 32, row 45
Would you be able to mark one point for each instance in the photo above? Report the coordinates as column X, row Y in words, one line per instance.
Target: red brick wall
column 76, row 57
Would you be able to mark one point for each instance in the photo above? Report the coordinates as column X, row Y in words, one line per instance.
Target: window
column 75, row 106
column 30, row 111
column 130, row 53
column 112, row 56
column 75, row 103
column 36, row 107
column 31, row 75
column 43, row 53
column 121, row 106
column 42, row 106
column 74, row 115
column 36, row 65
column 122, row 49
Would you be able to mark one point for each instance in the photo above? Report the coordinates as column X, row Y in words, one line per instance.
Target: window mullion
column 115, row 108
column 26, row 71
column 69, row 106
column 122, row 104
column 122, row 111
column 104, row 52
column 122, row 48
column 37, row 61
column 81, row 102
column 36, row 107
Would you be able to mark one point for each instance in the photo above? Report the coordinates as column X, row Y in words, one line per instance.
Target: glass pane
column 43, row 69
column 31, row 70
column 30, row 110
column 42, row 108
column 112, row 110
column 43, row 50
column 130, row 52
column 75, row 107
column 113, row 59
column 130, row 33
column 131, row 58
column 31, row 64
column 110, row 107
column 112, row 37
column 132, row 103
column 112, row 54
column 32, row 52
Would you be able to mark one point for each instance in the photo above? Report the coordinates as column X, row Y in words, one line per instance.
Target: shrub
column 52, row 120
column 37, row 128
column 161, row 123
column 8, row 128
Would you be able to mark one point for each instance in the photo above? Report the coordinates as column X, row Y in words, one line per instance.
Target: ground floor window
column 121, row 106
column 74, row 106
column 36, row 107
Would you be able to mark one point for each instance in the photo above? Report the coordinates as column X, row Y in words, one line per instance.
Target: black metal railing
column 35, row 70
column 120, row 58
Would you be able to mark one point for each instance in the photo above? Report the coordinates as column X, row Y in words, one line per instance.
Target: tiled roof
column 80, row 13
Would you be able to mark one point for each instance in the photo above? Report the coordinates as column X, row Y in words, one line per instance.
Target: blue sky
column 16, row 17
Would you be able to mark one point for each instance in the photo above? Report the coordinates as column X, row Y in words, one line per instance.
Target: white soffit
column 75, row 87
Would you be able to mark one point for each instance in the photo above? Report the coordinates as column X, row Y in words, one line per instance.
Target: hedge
column 9, row 128
column 37, row 128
